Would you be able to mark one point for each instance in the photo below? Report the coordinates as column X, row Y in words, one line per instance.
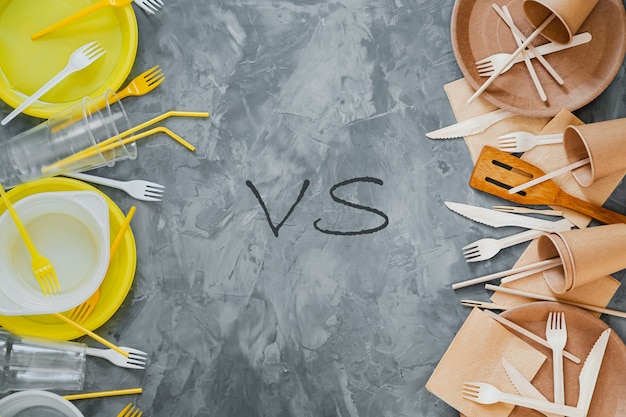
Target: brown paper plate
column 477, row 32
column 582, row 331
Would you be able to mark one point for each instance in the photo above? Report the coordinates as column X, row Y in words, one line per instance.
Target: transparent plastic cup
column 40, row 364
column 49, row 148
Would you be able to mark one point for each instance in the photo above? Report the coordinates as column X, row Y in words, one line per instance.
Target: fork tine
column 157, row 80
column 154, row 184
column 482, row 61
column 146, row 198
column 87, row 46
column 43, row 285
column 485, row 66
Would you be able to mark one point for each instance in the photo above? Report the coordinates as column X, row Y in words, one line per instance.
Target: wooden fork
column 41, row 266
column 130, row 411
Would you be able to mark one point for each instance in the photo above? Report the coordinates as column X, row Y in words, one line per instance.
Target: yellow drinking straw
column 91, row 334
column 87, row 395
column 114, row 142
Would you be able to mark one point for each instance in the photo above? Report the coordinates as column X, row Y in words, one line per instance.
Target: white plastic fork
column 556, row 336
column 136, row 358
column 525, row 141
column 487, row 66
column 484, row 393
column 80, row 59
column 139, row 189
column 149, row 6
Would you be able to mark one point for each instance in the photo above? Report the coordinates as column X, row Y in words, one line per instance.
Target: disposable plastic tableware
column 130, row 411
column 41, row 266
column 556, row 336
column 81, row 312
column 484, row 393
column 101, row 394
column 143, row 83
column 135, row 360
column 525, row 141
column 79, row 59
column 149, row 6
column 139, row 189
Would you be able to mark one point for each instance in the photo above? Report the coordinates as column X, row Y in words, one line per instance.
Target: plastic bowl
column 33, row 403
column 71, row 229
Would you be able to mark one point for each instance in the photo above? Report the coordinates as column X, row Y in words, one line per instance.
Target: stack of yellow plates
column 114, row 287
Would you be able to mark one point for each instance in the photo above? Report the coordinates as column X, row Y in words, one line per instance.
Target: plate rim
column 114, row 83
column 550, row 112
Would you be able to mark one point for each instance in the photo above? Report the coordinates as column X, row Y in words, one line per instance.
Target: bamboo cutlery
column 529, row 396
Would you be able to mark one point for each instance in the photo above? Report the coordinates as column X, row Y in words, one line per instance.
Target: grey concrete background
column 240, row 322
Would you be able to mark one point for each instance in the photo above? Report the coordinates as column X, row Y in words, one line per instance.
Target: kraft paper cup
column 592, row 253
column 570, row 15
column 604, row 143
column 561, row 278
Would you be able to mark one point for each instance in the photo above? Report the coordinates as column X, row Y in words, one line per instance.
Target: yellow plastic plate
column 114, row 287
column 26, row 65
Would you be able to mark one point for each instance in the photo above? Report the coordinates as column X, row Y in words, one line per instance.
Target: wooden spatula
column 496, row 172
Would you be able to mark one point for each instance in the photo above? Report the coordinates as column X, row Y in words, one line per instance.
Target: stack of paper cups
column 586, row 255
column 570, row 15
column 604, row 143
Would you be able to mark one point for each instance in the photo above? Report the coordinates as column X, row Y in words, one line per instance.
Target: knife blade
column 522, row 385
column 589, row 374
column 496, row 218
column 472, row 126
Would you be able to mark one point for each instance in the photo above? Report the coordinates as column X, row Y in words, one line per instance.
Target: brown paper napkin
column 475, row 355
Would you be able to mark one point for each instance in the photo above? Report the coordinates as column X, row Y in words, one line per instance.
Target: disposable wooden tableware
column 556, row 336
column 506, row 16
column 512, row 274
column 586, row 254
column 495, row 62
column 540, row 297
column 527, row 210
column 496, row 172
column 525, row 141
column 553, row 174
column 484, row 393
column 523, row 331
column 603, row 144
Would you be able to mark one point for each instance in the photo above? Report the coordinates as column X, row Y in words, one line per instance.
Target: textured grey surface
column 240, row 322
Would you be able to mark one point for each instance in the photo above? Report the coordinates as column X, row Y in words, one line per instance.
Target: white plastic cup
column 40, row 364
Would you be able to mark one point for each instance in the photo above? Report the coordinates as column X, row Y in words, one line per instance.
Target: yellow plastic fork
column 81, row 312
column 130, row 411
column 143, row 83
column 41, row 266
